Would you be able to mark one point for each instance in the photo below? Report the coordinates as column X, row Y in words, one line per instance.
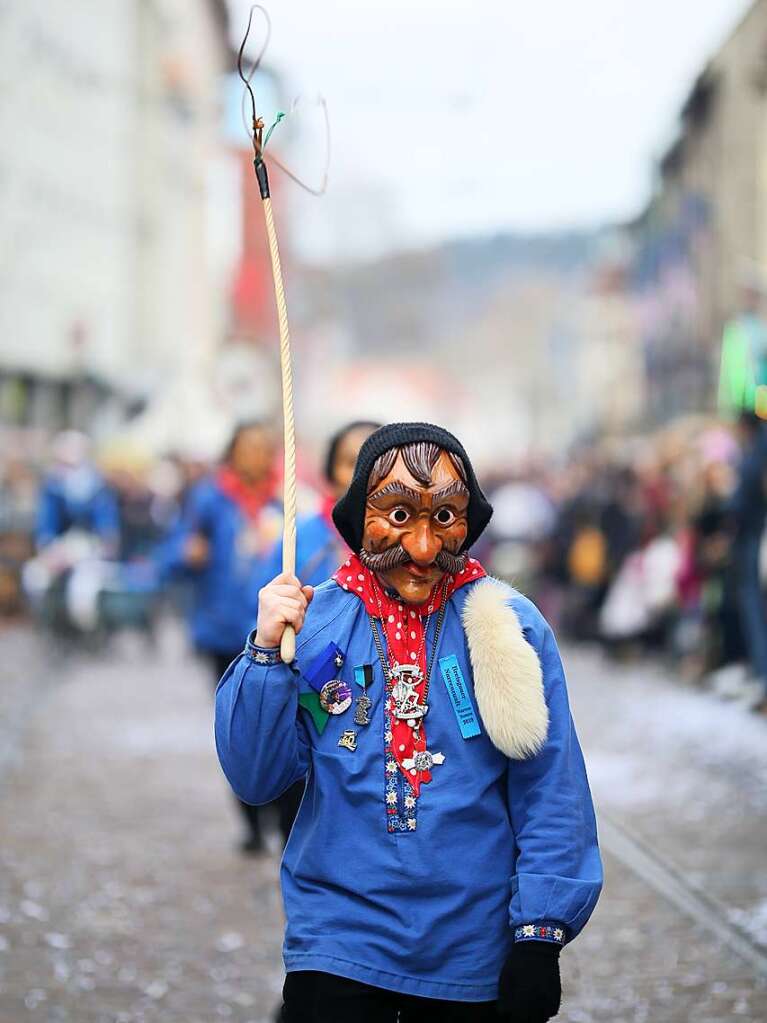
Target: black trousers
column 311, row 997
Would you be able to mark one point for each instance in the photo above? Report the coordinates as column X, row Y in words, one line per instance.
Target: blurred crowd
column 653, row 547
column 646, row 546
column 91, row 545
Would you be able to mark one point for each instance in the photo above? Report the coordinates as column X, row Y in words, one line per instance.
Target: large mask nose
column 421, row 544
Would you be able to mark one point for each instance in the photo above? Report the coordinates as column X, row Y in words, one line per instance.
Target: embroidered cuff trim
column 540, row 932
column 261, row 654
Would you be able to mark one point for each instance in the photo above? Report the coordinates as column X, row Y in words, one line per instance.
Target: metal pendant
column 348, row 740
column 411, row 711
column 406, row 674
column 423, row 760
column 335, row 696
column 407, row 705
column 364, row 703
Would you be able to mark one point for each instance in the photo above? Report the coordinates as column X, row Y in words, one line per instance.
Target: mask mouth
column 397, row 556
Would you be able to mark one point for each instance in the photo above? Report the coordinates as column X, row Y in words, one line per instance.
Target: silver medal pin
column 423, row 760
column 364, row 703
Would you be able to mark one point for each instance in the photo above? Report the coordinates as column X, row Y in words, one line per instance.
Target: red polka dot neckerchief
column 405, row 628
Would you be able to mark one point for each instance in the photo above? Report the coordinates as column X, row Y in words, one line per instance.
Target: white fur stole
column 508, row 681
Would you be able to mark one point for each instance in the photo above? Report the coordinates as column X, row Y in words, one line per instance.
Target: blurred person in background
column 319, row 551
column 743, row 370
column 641, row 603
column 713, row 566
column 229, row 524
column 75, row 496
column 131, row 473
column 619, row 517
column 522, row 521
column 581, row 549
column 139, row 533
column 18, row 508
column 748, row 509
column 77, row 533
column 168, row 489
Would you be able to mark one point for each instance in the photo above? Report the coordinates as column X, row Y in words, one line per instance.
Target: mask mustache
column 395, row 556
column 386, row 560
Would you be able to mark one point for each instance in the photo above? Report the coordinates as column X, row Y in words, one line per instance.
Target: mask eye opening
column 398, row 516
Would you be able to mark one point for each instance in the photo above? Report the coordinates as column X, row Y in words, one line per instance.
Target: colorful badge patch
column 324, row 667
column 311, row 703
column 335, row 696
column 322, row 676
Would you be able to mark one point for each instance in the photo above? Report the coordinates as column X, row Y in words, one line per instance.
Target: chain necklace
column 385, row 630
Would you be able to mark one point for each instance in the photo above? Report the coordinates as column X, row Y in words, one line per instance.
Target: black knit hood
column 349, row 512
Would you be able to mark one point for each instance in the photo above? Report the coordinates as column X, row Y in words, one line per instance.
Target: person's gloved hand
column 530, row 989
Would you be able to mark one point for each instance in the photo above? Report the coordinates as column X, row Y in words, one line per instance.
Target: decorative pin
column 339, row 659
column 348, row 740
column 335, row 696
column 364, row 703
column 423, row 760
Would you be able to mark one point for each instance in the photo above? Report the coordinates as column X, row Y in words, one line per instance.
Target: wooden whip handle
column 288, row 645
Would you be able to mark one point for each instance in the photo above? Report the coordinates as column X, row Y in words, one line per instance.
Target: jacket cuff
column 261, row 654
column 549, row 931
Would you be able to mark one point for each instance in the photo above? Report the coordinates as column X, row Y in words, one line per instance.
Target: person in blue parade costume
column 445, row 849
column 229, row 524
column 319, row 549
column 319, row 546
column 75, row 496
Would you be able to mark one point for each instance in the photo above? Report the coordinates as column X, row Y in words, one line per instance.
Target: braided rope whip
column 288, row 643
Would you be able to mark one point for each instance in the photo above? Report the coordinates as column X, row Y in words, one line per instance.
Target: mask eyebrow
column 399, row 490
column 456, row 488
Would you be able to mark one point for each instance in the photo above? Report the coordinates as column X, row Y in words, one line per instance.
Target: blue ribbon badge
column 459, row 696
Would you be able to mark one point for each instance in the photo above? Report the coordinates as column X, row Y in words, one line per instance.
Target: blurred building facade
column 515, row 341
column 604, row 382
column 705, row 228
column 110, row 126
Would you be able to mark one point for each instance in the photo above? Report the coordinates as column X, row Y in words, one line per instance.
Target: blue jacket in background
column 220, row 616
column 319, row 552
column 76, row 499
column 496, row 844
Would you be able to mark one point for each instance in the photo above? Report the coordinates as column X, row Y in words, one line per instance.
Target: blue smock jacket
column 220, row 618
column 79, row 499
column 495, row 844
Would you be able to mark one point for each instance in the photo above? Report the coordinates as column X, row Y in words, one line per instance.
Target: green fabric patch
column 311, row 702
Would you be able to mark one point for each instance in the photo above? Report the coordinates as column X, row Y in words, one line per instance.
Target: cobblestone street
column 123, row 897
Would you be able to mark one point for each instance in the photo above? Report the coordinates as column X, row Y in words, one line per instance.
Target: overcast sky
column 454, row 119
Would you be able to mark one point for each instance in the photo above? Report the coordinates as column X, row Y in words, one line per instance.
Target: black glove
column 530, row 988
